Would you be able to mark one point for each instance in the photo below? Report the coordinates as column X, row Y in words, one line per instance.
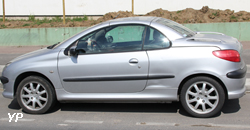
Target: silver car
column 137, row 59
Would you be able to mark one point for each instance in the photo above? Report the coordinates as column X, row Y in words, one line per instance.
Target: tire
column 35, row 95
column 202, row 97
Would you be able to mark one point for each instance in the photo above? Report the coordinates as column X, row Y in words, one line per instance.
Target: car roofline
column 136, row 20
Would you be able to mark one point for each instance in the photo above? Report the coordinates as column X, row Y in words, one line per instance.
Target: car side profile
column 135, row 59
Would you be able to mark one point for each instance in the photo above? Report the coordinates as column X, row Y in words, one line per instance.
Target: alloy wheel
column 34, row 96
column 202, row 97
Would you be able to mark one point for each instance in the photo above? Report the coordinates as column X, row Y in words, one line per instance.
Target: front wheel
column 35, row 95
column 202, row 97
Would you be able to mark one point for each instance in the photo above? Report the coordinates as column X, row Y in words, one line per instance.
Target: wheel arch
column 26, row 74
column 205, row 75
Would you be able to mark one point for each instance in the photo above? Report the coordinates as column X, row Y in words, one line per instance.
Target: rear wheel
column 35, row 95
column 202, row 97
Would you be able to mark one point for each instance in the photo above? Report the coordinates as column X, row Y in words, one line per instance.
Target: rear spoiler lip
column 210, row 33
column 204, row 39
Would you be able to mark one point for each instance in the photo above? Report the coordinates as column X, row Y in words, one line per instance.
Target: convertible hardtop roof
column 140, row 19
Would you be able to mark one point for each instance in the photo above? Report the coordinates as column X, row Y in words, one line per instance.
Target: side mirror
column 80, row 50
column 72, row 51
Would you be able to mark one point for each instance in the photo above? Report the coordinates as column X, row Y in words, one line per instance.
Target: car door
column 161, row 65
column 109, row 60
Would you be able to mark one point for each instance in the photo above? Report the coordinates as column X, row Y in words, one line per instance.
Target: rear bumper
column 236, row 94
column 235, row 83
column 241, row 73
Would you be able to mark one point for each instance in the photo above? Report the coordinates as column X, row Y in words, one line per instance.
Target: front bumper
column 8, row 90
column 7, row 87
column 4, row 80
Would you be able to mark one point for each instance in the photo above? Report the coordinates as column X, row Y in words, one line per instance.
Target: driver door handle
column 133, row 60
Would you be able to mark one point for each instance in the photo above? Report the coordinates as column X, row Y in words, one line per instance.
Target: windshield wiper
column 52, row 46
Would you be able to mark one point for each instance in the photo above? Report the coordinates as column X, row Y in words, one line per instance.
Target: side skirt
column 145, row 96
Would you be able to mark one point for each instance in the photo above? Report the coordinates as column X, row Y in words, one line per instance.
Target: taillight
column 230, row 55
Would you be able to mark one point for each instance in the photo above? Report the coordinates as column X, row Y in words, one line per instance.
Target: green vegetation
column 26, row 25
column 85, row 18
column 93, row 22
column 175, row 18
column 3, row 26
column 233, row 17
column 186, row 21
column 57, row 19
column 35, row 21
column 215, row 14
column 31, row 18
column 179, row 11
column 170, row 16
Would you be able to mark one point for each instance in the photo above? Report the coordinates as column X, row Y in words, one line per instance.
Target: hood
column 31, row 54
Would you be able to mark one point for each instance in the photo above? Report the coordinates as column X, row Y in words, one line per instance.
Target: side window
column 85, row 44
column 126, row 37
column 155, row 40
column 112, row 39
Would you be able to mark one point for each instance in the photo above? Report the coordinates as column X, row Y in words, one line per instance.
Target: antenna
column 116, row 16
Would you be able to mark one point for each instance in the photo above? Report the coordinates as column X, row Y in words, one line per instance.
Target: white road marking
column 7, row 119
column 26, row 119
column 83, row 122
column 247, row 82
column 1, row 67
column 157, row 123
column 248, row 69
column 228, row 125
column 4, row 119
column 63, row 124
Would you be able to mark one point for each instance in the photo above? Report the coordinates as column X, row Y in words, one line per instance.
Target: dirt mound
column 113, row 15
column 204, row 15
column 189, row 15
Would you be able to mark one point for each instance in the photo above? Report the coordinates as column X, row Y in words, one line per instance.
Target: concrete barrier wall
column 36, row 36
column 48, row 36
column 239, row 30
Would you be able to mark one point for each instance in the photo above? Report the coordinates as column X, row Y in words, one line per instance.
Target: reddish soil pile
column 112, row 15
column 204, row 15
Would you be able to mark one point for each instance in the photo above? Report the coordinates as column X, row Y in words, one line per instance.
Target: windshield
column 184, row 31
